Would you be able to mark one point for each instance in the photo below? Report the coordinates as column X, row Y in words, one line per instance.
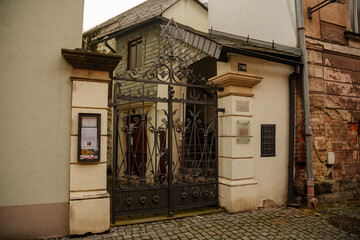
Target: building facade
column 332, row 50
column 36, row 116
column 245, row 131
column 332, row 42
column 249, row 176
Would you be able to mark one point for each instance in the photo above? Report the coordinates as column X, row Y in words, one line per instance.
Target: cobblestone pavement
column 269, row 223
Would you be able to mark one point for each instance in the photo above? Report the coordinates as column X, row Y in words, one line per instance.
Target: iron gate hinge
column 220, row 110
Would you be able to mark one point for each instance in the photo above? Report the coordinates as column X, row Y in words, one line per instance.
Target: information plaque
column 89, row 137
column 242, row 106
column 243, row 131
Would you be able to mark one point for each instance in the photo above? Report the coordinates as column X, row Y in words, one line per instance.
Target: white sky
column 98, row 11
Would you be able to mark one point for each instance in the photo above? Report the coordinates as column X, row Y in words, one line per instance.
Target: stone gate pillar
column 237, row 186
column 89, row 200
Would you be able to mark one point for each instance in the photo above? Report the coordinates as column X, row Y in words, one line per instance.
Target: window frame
column 263, row 142
column 137, row 41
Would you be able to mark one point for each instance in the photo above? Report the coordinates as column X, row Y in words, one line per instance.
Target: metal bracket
column 109, row 47
column 311, row 10
column 220, row 110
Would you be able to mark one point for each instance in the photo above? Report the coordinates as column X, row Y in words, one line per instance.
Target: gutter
column 311, row 200
column 260, row 55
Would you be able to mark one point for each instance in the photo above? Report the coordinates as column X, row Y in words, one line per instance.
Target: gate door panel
column 165, row 140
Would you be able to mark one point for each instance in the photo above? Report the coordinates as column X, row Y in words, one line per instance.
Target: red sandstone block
column 340, row 145
column 341, row 102
column 342, row 89
column 341, row 62
column 345, row 171
column 346, row 157
column 341, row 75
column 333, row 33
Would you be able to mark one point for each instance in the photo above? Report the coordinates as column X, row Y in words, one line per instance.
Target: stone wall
column 334, row 84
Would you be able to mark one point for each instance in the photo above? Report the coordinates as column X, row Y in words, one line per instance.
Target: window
column 268, row 140
column 135, row 53
column 355, row 15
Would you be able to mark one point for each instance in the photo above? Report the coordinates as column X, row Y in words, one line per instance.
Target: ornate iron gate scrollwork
column 164, row 141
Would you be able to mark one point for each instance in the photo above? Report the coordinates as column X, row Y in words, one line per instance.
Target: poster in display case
column 89, row 137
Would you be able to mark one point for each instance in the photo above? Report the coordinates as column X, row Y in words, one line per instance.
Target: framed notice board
column 89, row 137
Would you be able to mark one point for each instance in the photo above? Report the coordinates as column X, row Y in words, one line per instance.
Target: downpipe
column 292, row 79
column 311, row 200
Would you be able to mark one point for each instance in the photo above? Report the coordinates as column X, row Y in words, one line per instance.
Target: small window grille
column 268, row 140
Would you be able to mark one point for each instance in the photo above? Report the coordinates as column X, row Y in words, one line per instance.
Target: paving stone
column 270, row 223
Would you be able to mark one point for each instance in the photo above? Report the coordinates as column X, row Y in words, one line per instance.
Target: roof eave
column 284, row 59
column 202, row 5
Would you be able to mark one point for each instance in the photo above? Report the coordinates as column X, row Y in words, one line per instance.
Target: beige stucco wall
column 256, row 19
column 271, row 106
column 189, row 13
column 246, row 178
column 35, row 96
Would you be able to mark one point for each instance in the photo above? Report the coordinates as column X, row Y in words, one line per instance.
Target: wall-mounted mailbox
column 89, row 137
column 243, row 131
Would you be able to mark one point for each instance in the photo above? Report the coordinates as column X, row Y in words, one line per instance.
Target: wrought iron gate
column 165, row 140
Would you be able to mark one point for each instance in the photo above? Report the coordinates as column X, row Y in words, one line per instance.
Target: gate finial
column 172, row 31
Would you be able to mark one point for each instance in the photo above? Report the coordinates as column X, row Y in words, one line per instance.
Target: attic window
column 135, row 53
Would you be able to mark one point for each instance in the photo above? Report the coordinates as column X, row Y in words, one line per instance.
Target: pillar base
column 89, row 214
column 239, row 195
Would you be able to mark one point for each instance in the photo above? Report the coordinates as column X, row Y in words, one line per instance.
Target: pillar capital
column 238, row 84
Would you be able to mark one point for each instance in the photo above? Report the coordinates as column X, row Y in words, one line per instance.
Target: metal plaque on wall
column 243, row 131
column 242, row 106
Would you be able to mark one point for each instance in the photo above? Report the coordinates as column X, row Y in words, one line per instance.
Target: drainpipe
column 292, row 78
column 311, row 200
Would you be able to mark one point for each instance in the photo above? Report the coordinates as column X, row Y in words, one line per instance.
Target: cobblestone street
column 270, row 223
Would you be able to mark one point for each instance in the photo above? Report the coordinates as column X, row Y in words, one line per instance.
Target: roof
column 140, row 13
column 217, row 44
column 230, row 41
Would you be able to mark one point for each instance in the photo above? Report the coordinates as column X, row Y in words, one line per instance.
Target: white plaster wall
column 264, row 20
column 189, row 13
column 35, row 97
column 271, row 106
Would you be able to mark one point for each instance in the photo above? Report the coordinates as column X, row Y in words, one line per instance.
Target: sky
column 98, row 11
